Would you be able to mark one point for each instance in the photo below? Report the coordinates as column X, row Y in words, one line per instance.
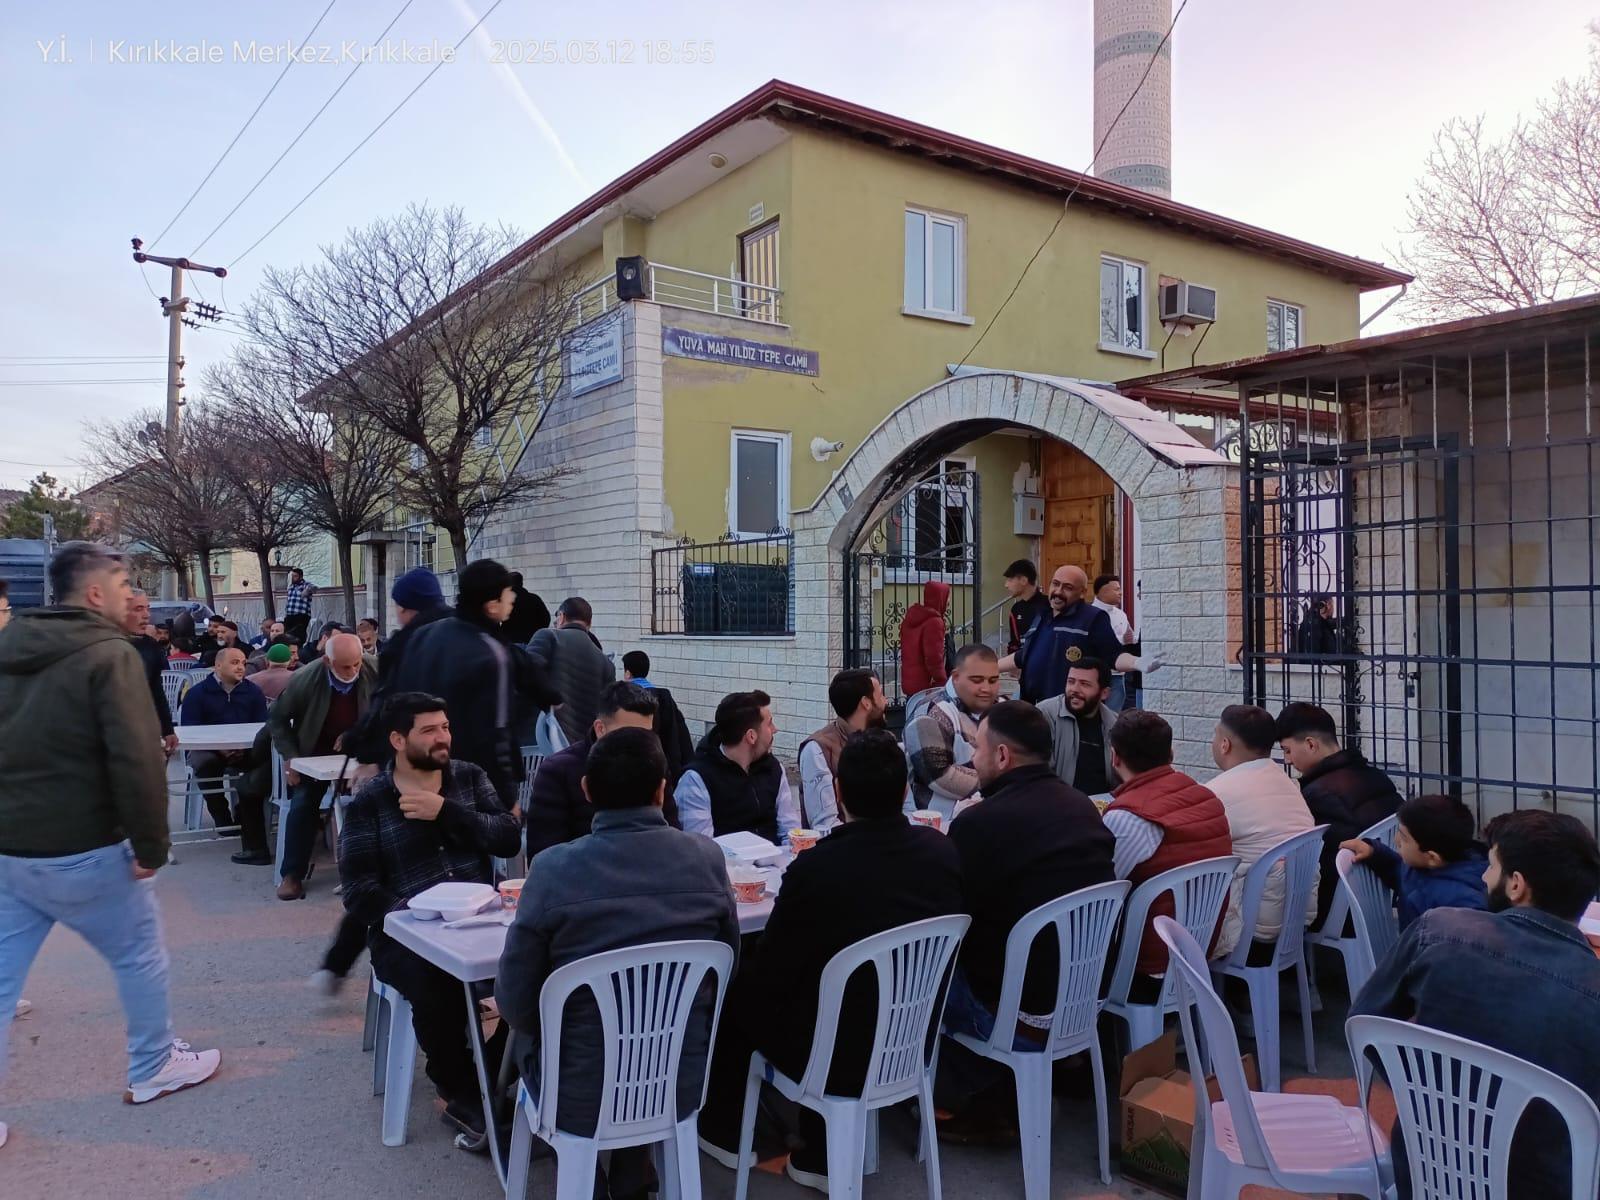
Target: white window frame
column 930, row 217
column 907, row 547
column 1300, row 326
column 1142, row 350
column 781, row 440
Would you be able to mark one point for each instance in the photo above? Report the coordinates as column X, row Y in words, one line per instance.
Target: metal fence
column 1449, row 535
column 736, row 587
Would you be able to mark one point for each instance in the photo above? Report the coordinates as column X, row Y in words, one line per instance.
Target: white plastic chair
column 1300, row 856
column 1459, row 1102
column 646, row 996
column 1198, row 891
column 912, row 963
column 173, row 684
column 392, row 1039
column 183, row 664
column 1332, row 933
column 532, row 756
column 1377, row 928
column 1084, row 924
column 1309, row 1144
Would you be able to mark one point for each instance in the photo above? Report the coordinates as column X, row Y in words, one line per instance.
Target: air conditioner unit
column 1188, row 304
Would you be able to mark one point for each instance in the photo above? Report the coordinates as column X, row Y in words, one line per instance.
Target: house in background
column 795, row 403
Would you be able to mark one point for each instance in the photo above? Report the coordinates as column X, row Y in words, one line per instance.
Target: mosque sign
column 737, row 352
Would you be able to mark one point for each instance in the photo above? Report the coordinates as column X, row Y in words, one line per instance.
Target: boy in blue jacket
column 1436, row 863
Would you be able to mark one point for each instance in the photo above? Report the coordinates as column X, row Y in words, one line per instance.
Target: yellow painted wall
column 840, row 204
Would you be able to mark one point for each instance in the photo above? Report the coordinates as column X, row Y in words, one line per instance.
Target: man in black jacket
column 1032, row 839
column 1343, row 791
column 874, row 872
column 558, row 809
column 154, row 658
column 463, row 659
column 529, row 613
column 671, row 728
column 576, row 663
column 418, row 602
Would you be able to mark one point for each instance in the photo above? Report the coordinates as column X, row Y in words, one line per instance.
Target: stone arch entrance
column 1180, row 493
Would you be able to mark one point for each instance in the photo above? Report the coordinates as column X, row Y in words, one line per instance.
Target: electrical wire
column 1082, row 175
column 403, row 102
column 74, row 382
column 52, row 359
column 293, row 58
column 303, row 131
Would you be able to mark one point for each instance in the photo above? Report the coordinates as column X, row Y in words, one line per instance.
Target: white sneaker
column 325, row 983
column 808, row 1179
column 3, row 1132
column 185, row 1068
column 24, row 1007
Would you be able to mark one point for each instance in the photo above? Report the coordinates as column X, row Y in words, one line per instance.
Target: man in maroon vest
column 858, row 701
column 1161, row 818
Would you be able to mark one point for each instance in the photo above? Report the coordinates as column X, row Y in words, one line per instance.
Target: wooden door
column 1079, row 513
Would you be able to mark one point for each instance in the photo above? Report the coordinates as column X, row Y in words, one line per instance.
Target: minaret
column 1139, row 151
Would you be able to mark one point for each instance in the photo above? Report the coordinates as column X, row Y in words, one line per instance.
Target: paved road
column 291, row 1113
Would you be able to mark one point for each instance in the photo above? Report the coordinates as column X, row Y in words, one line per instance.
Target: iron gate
column 930, row 535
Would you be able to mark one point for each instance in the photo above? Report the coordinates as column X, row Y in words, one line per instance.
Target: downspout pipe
column 1385, row 307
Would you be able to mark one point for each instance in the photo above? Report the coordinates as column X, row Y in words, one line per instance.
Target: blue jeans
column 95, row 895
column 1118, row 699
column 965, row 1013
column 301, row 824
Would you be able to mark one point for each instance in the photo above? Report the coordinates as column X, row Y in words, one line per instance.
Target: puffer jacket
column 1347, row 794
column 579, row 670
column 922, row 641
column 80, row 748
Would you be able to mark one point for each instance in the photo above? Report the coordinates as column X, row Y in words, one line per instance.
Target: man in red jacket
column 1161, row 818
column 922, row 636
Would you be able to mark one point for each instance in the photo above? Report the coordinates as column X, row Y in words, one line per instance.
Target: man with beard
column 427, row 819
column 1072, row 630
column 858, row 700
column 734, row 783
column 942, row 728
column 1454, row 970
column 1080, row 726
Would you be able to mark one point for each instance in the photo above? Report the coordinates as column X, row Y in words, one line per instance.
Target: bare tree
column 340, row 471
column 1515, row 221
column 268, row 509
column 427, row 327
column 171, row 494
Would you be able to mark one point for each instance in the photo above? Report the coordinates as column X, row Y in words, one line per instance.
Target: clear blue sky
column 1308, row 119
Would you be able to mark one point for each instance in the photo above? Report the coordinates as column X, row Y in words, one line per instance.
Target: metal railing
column 683, row 288
column 737, row 587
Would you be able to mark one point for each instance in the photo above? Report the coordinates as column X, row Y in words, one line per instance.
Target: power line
column 293, row 58
column 404, row 101
column 1082, row 175
column 49, row 359
column 79, row 362
column 72, row 382
column 303, row 130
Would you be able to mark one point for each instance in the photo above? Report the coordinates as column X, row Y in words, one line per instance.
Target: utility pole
column 173, row 307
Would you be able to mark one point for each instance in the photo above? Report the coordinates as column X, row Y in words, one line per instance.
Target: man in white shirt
column 733, row 784
column 858, row 701
column 1108, row 599
column 1264, row 807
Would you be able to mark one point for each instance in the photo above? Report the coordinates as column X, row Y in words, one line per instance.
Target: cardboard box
column 1158, row 1115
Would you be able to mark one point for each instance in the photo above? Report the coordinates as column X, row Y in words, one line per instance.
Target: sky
column 1311, row 120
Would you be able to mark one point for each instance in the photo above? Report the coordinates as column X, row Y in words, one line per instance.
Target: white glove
column 1149, row 663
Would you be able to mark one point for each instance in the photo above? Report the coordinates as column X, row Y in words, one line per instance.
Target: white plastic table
column 472, row 955
column 239, row 735
column 326, row 767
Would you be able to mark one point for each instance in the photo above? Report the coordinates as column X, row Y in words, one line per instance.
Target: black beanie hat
column 477, row 584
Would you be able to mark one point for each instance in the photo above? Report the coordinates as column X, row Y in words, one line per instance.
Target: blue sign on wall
column 737, row 352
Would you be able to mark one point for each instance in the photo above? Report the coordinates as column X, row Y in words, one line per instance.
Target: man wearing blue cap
column 418, row 601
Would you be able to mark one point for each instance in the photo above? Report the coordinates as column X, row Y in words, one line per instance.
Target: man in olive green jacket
column 323, row 700
column 83, row 808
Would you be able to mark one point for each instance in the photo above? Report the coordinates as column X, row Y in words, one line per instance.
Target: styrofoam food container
column 452, row 901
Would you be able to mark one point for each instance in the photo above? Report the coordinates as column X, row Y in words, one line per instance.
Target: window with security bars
column 932, row 526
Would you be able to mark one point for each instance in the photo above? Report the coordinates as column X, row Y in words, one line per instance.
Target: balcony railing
column 683, row 288
column 731, row 588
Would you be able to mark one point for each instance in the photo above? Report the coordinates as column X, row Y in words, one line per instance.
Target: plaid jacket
column 298, row 602
column 385, row 858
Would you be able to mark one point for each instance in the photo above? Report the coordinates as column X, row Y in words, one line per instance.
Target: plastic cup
column 801, row 840
column 930, row 818
column 749, row 885
column 511, row 892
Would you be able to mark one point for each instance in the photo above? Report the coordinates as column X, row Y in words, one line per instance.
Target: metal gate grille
column 1445, row 502
column 931, row 534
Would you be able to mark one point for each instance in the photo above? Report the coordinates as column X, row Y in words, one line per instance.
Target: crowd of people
column 1018, row 800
